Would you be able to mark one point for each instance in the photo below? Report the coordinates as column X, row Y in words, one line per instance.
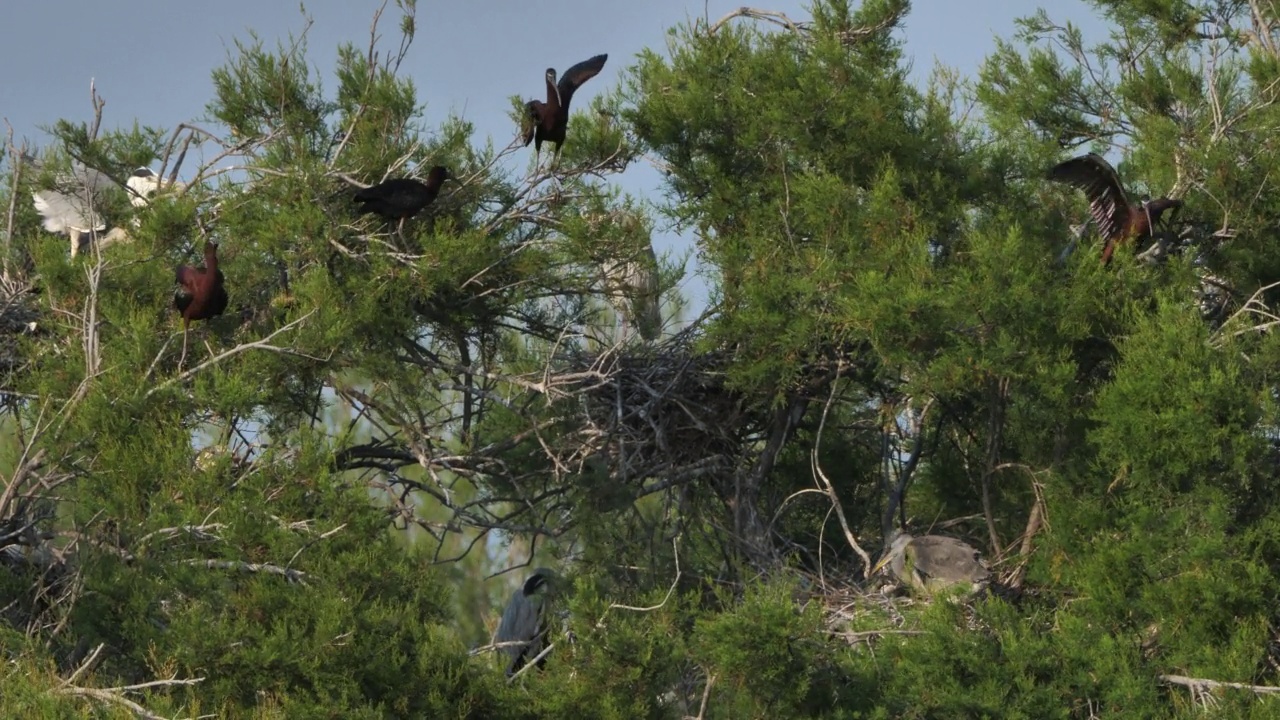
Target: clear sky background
column 152, row 59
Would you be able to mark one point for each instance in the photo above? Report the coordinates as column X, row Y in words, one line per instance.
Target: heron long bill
column 880, row 565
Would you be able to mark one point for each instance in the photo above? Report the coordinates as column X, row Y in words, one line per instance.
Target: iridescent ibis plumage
column 524, row 622
column 1117, row 219
column 201, row 294
column 547, row 121
column 402, row 198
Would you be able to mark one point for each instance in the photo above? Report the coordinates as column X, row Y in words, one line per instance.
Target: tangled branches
column 659, row 413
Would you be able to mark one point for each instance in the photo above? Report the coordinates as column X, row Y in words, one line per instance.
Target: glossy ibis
column 547, row 121
column 1117, row 219
column 524, row 622
column 934, row 562
column 201, row 294
column 402, row 198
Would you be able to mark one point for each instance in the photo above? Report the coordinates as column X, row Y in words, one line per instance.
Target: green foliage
column 303, row 519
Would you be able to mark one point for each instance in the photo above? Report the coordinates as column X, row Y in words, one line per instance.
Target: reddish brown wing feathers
column 532, row 119
column 1108, row 204
column 187, row 278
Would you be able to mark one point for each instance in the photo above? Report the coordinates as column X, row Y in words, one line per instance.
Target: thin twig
column 825, row 482
column 676, row 550
column 262, row 344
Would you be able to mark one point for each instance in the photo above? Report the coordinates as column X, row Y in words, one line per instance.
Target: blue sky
column 151, row 59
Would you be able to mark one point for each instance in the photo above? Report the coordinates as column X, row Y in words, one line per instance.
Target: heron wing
column 87, row 178
column 573, row 78
column 1094, row 176
column 521, row 622
column 948, row 559
column 62, row 212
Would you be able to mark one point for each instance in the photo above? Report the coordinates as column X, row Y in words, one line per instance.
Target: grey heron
column 630, row 274
column 71, row 208
column 524, row 622
column 934, row 562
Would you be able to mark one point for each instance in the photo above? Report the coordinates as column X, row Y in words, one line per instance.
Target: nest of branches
column 37, row 578
column 18, row 316
column 658, row 411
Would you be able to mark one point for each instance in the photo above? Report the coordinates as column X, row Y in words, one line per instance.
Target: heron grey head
column 893, row 556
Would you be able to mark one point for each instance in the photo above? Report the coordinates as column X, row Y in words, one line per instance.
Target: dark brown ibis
column 1117, row 219
column 402, row 198
column 547, row 121
column 201, row 294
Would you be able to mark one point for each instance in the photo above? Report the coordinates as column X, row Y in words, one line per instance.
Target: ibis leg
column 185, row 324
column 1106, row 252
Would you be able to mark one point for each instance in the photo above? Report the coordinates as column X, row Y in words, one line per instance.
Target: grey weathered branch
column 1202, row 684
column 288, row 573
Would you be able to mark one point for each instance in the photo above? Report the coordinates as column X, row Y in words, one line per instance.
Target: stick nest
column 658, row 410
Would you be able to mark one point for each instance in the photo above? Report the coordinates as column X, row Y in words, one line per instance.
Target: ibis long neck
column 211, row 259
column 1159, row 205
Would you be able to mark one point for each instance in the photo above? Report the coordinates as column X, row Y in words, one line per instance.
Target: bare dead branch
column 1202, row 684
column 294, row 576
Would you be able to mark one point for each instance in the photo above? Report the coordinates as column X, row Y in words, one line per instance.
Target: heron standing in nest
column 932, row 563
column 524, row 622
column 631, row 278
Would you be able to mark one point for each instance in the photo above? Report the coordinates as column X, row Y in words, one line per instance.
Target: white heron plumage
column 144, row 183
column 65, row 213
column 72, row 207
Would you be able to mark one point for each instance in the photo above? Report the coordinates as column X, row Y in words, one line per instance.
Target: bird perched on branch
column 71, row 208
column 547, row 121
column 934, row 562
column 402, row 198
column 200, row 294
column 524, row 622
column 1117, row 219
